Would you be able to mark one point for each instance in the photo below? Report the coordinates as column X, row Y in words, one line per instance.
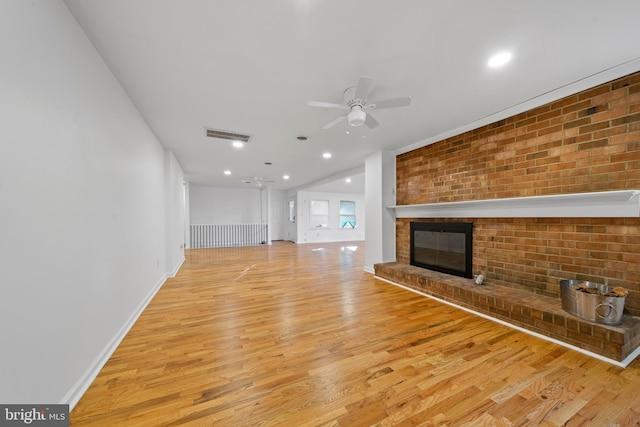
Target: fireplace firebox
column 443, row 246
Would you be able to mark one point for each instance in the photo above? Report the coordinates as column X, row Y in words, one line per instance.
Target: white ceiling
column 250, row 66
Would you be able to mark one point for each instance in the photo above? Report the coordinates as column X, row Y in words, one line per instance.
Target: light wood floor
column 299, row 335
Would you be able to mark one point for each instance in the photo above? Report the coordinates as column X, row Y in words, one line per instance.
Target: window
column 319, row 214
column 347, row 214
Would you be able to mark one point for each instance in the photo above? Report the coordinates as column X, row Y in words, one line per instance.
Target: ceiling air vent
column 225, row 134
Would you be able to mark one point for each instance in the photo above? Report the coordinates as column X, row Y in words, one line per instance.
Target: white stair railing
column 226, row 235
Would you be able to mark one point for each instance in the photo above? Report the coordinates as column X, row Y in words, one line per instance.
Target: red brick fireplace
column 584, row 143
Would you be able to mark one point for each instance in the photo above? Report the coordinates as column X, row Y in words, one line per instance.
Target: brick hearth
column 534, row 312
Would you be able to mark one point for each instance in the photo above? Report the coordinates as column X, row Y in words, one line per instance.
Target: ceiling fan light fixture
column 356, row 117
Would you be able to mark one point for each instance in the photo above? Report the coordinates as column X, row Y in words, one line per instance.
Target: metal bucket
column 591, row 307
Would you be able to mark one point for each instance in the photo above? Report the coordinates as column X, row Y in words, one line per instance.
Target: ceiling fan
column 355, row 100
column 258, row 181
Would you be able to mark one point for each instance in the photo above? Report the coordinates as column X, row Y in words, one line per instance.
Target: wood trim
column 604, row 204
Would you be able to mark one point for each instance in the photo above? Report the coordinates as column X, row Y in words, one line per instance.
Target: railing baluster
column 226, row 235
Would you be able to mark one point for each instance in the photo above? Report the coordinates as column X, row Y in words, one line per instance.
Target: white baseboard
column 84, row 382
column 175, row 270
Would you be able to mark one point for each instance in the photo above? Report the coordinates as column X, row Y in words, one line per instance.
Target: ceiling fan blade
column 326, row 105
column 370, row 122
column 391, row 103
column 363, row 88
column 335, row 121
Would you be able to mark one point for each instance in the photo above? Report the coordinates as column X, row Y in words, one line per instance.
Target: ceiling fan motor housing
column 356, row 117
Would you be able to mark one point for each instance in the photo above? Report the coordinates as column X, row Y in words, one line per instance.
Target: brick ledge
column 537, row 313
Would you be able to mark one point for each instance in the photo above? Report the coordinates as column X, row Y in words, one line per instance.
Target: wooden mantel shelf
column 605, row 204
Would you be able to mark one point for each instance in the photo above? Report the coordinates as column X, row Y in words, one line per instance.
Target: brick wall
column 586, row 142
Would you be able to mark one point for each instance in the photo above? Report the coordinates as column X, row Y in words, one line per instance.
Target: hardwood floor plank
column 300, row 335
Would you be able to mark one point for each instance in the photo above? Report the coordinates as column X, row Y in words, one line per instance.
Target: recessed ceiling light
column 238, row 144
column 348, row 180
column 227, row 172
column 285, row 176
column 326, row 155
column 499, row 59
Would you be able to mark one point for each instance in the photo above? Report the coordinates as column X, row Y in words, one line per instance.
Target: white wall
column 83, row 207
column 307, row 234
column 278, row 211
column 175, row 211
column 218, row 205
column 187, row 214
column 380, row 192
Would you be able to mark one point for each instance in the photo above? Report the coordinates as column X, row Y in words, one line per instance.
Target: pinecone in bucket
column 618, row 291
column 582, row 287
